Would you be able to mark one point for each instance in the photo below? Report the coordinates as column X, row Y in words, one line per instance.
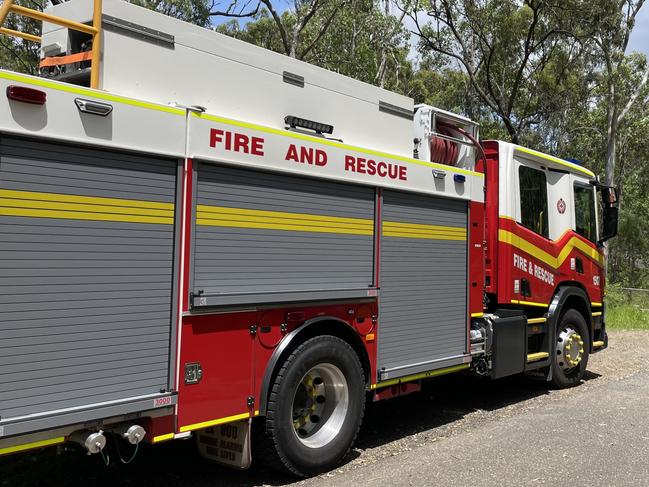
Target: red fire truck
column 201, row 237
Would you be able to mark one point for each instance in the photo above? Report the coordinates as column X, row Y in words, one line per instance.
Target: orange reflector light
column 26, row 95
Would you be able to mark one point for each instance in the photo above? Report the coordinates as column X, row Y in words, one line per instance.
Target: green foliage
column 18, row 54
column 353, row 45
column 521, row 63
column 193, row 11
column 627, row 317
column 626, row 310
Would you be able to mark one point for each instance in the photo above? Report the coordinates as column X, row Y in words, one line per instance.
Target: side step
column 535, row 357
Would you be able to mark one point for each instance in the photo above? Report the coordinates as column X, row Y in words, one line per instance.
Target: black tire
column 563, row 375
column 279, row 442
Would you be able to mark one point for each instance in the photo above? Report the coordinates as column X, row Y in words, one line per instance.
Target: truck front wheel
column 315, row 407
column 571, row 350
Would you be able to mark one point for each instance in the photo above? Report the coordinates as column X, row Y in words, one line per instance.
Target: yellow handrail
column 94, row 30
column 17, row 33
column 4, row 10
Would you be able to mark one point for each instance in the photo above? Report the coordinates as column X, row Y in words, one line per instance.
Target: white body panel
column 411, row 174
column 234, row 78
column 158, row 129
column 133, row 125
column 559, row 184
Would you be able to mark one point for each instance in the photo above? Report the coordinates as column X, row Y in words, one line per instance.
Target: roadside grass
column 626, row 317
column 626, row 310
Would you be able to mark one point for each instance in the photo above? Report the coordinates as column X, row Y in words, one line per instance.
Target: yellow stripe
column 277, row 220
column 477, row 315
column 71, row 198
column 423, row 375
column 245, row 219
column 552, row 261
column 91, row 93
column 417, row 227
column 530, row 303
column 416, row 230
column 556, row 160
column 113, row 209
column 214, row 422
column 309, row 138
column 158, row 439
column 222, row 210
column 595, row 303
column 73, row 207
column 534, row 321
column 29, row 446
column 432, row 236
column 533, row 357
column 597, row 313
column 598, row 344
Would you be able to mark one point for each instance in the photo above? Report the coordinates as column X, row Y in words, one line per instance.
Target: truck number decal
column 162, row 401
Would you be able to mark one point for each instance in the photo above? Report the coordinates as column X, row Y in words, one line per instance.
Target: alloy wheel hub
column 570, row 349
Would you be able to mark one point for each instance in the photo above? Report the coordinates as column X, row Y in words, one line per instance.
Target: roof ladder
column 94, row 30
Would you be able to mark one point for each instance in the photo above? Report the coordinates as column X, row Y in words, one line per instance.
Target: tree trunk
column 611, row 137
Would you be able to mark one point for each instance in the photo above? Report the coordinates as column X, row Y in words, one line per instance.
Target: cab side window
column 534, row 199
column 585, row 212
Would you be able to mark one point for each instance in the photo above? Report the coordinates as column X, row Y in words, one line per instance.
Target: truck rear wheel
column 315, row 407
column 571, row 350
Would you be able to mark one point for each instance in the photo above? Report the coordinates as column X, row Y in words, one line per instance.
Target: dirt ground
column 447, row 407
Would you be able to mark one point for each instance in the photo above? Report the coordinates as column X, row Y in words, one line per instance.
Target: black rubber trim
column 395, row 110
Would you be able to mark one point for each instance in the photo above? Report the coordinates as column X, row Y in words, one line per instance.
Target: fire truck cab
column 203, row 238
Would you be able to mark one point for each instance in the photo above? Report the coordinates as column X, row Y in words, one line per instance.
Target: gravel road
column 595, row 434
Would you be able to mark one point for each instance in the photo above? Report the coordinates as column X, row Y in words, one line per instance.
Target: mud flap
column 227, row 444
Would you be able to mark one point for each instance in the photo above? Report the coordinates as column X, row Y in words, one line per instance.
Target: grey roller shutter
column 268, row 237
column 86, row 271
column 423, row 300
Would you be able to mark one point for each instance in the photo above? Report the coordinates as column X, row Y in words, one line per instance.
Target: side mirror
column 610, row 213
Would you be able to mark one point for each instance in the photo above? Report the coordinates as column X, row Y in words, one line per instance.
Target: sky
column 640, row 36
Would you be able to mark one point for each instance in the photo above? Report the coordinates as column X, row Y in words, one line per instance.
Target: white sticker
column 159, row 402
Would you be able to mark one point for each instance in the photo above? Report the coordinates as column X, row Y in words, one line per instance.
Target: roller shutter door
column 86, row 270
column 267, row 237
column 423, row 302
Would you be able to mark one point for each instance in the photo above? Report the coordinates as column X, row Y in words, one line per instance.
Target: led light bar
column 317, row 127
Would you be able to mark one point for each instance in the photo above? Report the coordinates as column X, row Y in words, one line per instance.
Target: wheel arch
column 570, row 295
column 322, row 325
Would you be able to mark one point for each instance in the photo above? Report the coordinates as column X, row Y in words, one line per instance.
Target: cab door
column 532, row 227
column 586, row 258
column 542, row 222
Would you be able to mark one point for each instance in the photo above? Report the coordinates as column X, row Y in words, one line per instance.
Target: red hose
column 444, row 151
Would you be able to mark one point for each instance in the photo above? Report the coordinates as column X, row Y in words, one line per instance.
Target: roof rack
column 94, row 30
